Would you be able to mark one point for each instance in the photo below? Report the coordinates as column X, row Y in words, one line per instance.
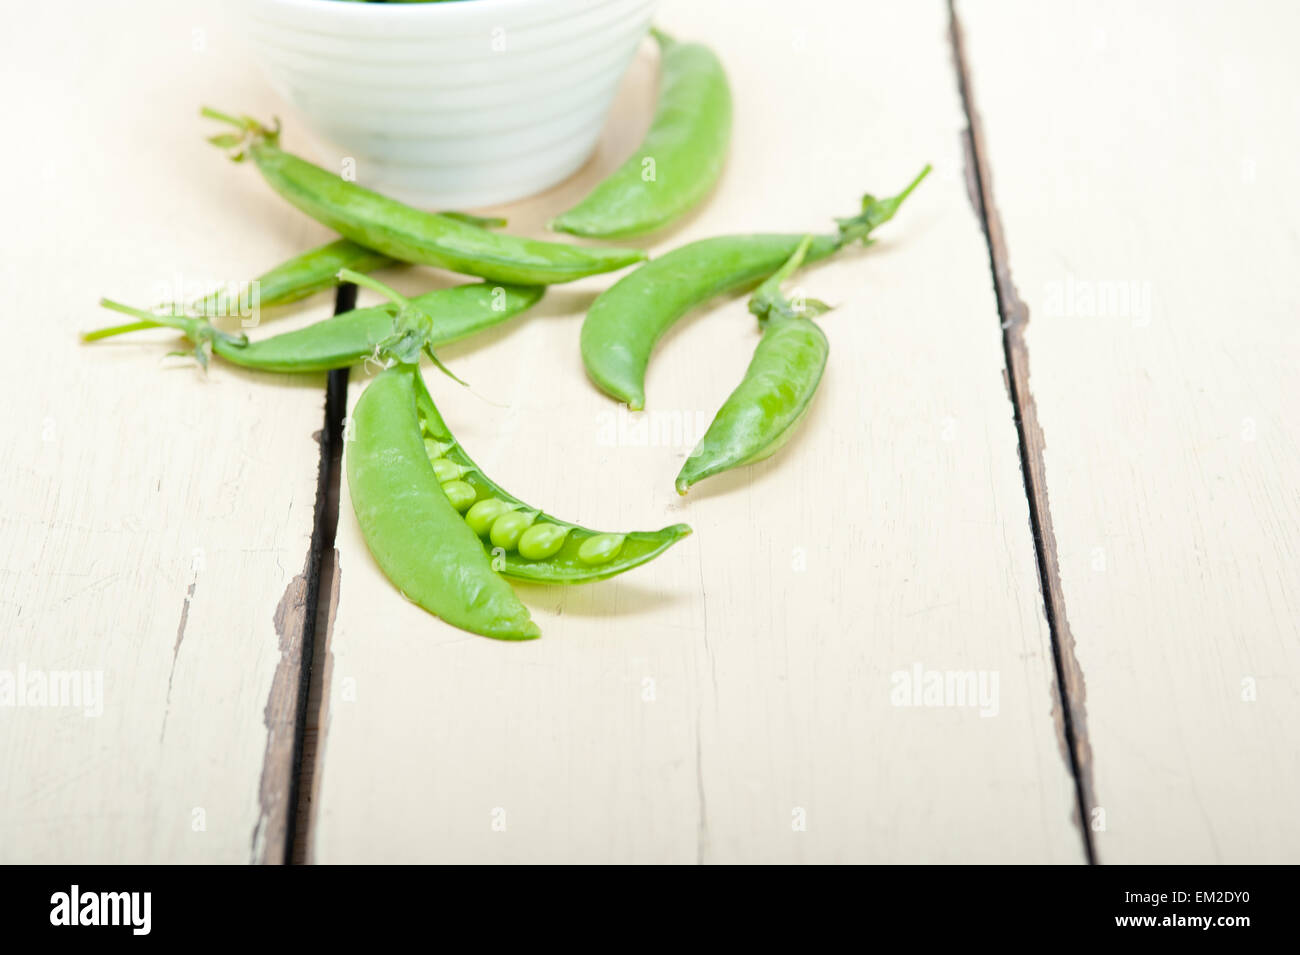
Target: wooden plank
column 155, row 525
column 1142, row 188
column 731, row 702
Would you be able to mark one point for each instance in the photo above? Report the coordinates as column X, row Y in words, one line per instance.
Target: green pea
column 507, row 528
column 541, row 541
column 543, row 553
column 460, row 494
column 434, row 448
column 483, row 515
column 445, row 470
column 600, row 549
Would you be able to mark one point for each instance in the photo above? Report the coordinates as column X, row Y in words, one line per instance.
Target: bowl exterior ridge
column 452, row 104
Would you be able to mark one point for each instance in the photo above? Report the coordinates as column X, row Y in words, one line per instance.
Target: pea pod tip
column 530, row 632
column 575, row 225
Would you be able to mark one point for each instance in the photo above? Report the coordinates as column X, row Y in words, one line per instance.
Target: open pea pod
column 561, row 552
column 415, row 535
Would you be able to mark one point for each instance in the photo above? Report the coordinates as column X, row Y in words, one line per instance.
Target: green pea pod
column 418, row 539
column 316, row 270
column 303, row 275
column 313, row 271
column 626, row 321
column 411, row 235
column 349, row 337
column 479, row 222
column 577, row 555
column 777, row 389
column 584, row 555
column 679, row 160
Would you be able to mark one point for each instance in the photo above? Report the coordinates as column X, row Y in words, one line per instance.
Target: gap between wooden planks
column 1071, row 691
column 157, row 523
column 445, row 729
column 1169, row 459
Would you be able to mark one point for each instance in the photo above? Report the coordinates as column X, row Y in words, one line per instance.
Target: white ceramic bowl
column 457, row 104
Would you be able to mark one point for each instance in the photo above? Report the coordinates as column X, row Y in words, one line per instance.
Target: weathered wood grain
column 155, row 524
column 1142, row 161
column 731, row 702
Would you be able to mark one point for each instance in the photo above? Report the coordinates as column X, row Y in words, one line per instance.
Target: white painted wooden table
column 1054, row 449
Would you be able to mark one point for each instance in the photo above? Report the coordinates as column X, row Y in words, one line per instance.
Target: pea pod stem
column 197, row 328
column 875, row 212
column 345, row 339
column 102, row 333
column 366, row 281
column 236, row 121
column 768, row 295
column 414, row 326
column 768, row 301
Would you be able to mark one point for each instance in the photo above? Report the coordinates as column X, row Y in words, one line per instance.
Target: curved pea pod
column 679, row 160
column 626, row 321
column 293, row 280
column 777, row 388
column 312, row 271
column 417, row 537
column 407, row 234
column 349, row 337
column 562, row 561
column 766, row 407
